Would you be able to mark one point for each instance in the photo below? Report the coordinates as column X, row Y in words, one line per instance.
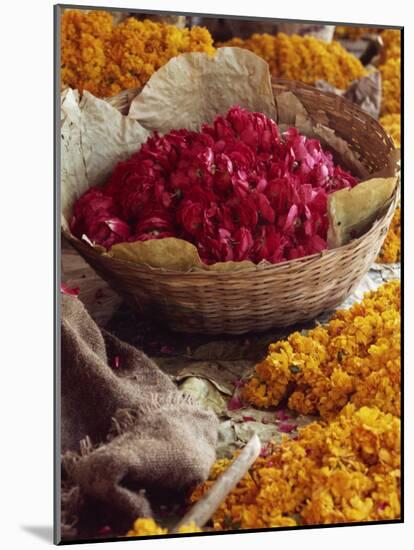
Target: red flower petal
column 282, row 415
column 234, row 404
column 65, row 289
column 291, row 217
column 287, row 428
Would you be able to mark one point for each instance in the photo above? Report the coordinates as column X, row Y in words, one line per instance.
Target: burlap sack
column 125, row 427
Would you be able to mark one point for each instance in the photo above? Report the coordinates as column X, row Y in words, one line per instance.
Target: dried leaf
column 172, row 254
column 366, row 93
column 94, row 137
column 191, row 89
column 169, row 253
column 352, row 211
column 205, row 393
column 223, row 374
column 292, row 112
column 266, row 432
column 349, row 158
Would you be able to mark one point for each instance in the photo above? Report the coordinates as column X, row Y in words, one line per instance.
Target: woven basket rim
column 298, row 84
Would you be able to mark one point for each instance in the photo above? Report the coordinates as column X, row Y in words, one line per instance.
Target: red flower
column 191, row 216
column 106, row 231
column 238, row 190
column 243, row 244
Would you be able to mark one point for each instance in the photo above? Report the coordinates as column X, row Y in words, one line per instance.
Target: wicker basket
column 276, row 295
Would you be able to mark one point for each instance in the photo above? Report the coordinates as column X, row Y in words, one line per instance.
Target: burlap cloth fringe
column 123, row 427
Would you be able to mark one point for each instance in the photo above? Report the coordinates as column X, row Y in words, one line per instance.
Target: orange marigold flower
column 105, row 59
column 343, row 471
column 390, row 68
column 391, row 249
column 144, row 527
column 304, row 58
column 355, row 357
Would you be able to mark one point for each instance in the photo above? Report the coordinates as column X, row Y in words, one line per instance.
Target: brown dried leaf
column 223, row 374
column 169, row 253
column 192, row 88
column 94, row 137
column 205, row 393
column 352, row 211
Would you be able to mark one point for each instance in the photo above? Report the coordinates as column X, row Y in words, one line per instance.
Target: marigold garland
column 355, row 357
column 105, row 59
column 391, row 249
column 304, row 58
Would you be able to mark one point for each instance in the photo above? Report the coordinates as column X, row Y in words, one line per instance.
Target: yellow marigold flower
column 392, row 125
column 190, row 528
column 392, row 45
column 144, row 527
column 391, row 249
column 391, row 86
column 390, row 68
column 354, row 358
column 343, row 471
column 304, row 58
column 354, row 33
column 105, row 59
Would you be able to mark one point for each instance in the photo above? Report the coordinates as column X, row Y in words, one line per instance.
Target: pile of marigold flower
column 304, row 58
column 105, row 59
column 391, row 249
column 341, row 472
column 355, row 357
column 345, row 468
column 354, row 33
column 238, row 190
column 392, row 125
column 390, row 68
column 144, row 527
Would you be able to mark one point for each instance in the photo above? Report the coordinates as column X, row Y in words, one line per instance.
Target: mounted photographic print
column 228, row 344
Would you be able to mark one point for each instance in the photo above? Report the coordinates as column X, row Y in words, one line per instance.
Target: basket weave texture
column 259, row 298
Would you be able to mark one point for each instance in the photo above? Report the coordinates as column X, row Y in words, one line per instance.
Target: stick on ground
column 202, row 511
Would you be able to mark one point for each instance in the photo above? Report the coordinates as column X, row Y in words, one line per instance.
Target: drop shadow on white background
column 43, row 532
